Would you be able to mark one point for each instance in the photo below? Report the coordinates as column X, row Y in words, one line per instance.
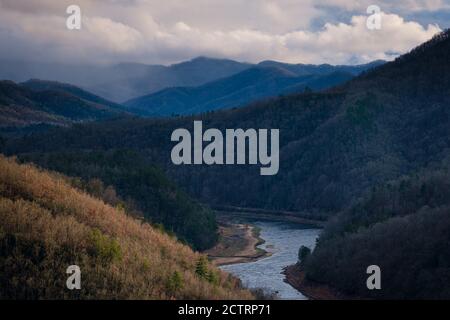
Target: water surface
column 283, row 241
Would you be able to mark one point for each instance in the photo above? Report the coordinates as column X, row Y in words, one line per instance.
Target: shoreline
column 295, row 276
column 264, row 215
column 237, row 244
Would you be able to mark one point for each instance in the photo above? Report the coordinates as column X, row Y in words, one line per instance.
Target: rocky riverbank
column 237, row 244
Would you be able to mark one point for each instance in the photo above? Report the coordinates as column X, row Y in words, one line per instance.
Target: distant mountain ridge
column 321, row 69
column 38, row 102
column 35, row 103
column 267, row 79
column 124, row 81
column 44, row 85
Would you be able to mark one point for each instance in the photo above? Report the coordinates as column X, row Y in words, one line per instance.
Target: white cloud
column 387, row 5
column 341, row 42
column 164, row 32
column 113, row 36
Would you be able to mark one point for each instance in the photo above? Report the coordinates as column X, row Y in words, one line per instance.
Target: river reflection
column 283, row 241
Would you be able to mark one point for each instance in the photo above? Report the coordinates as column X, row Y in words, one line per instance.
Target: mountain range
column 334, row 145
column 36, row 102
column 264, row 80
column 123, row 81
column 372, row 155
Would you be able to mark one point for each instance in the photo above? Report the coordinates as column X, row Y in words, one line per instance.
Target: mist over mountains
column 125, row 81
column 147, row 145
column 334, row 145
column 40, row 101
column 371, row 155
column 264, row 80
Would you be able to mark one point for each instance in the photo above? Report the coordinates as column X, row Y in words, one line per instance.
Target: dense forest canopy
column 403, row 227
column 334, row 145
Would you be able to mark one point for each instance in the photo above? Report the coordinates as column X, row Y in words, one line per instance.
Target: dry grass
column 46, row 225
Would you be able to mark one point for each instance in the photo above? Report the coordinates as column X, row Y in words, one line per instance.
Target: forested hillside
column 47, row 225
column 403, row 227
column 43, row 85
column 143, row 187
column 45, row 103
column 334, row 145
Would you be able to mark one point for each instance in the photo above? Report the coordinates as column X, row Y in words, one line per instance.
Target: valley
column 362, row 179
column 246, row 248
column 280, row 241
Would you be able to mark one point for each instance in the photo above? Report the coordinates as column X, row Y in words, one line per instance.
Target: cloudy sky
column 168, row 31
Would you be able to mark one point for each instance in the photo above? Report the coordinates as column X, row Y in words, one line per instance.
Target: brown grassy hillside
column 46, row 225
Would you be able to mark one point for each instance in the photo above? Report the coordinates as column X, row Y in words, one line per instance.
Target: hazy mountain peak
column 266, row 79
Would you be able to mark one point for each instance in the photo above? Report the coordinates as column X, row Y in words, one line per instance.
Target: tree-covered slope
column 46, row 226
column 31, row 103
column 334, row 145
column 43, row 85
column 403, row 227
column 144, row 188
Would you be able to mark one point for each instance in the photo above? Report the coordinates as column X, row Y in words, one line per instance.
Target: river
column 283, row 241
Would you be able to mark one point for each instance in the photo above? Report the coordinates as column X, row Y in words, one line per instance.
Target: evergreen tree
column 175, row 282
column 201, row 268
column 303, row 253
